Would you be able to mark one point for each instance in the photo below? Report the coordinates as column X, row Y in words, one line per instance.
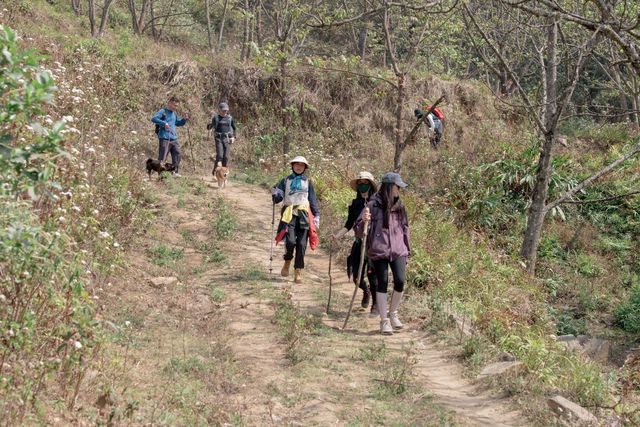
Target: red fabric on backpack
column 436, row 112
column 314, row 239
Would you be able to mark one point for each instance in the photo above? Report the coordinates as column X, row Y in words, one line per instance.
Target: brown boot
column 298, row 277
column 285, row 268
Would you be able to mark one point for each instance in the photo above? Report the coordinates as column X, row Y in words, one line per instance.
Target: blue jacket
column 173, row 120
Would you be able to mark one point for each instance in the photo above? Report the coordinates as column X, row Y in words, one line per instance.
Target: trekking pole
column 273, row 222
column 330, row 281
column 361, row 264
column 166, row 152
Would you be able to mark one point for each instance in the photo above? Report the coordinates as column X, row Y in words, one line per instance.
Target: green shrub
column 550, row 247
column 627, row 315
column 605, row 134
column 223, row 224
column 165, row 256
column 28, row 149
column 588, row 266
column 567, row 324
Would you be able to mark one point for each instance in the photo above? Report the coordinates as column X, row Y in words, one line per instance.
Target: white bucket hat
column 364, row 175
column 299, row 159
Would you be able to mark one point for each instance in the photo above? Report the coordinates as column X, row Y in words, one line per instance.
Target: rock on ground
column 571, row 411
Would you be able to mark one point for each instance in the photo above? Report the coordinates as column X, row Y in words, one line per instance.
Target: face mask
column 364, row 188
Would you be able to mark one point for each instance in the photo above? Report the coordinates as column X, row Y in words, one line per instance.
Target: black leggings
column 296, row 239
column 399, row 270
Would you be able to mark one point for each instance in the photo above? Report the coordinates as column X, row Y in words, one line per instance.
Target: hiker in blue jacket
column 166, row 121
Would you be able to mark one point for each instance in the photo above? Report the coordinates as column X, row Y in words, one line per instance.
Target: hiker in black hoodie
column 365, row 186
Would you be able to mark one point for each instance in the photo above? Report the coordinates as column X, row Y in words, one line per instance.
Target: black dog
column 158, row 166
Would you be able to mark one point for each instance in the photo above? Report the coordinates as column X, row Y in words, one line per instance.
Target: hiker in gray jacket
column 387, row 246
column 224, row 134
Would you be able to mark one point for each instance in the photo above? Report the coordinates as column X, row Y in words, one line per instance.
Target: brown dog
column 222, row 174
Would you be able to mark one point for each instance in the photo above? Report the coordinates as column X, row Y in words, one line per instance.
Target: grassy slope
column 472, row 270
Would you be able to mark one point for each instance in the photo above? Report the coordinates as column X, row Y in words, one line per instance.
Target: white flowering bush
column 48, row 329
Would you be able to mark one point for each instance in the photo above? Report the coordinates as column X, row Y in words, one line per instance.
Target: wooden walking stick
column 330, row 281
column 362, row 251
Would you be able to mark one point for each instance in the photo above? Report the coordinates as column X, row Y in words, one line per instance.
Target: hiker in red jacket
column 387, row 246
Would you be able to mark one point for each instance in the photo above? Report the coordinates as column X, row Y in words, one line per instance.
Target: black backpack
column 164, row 117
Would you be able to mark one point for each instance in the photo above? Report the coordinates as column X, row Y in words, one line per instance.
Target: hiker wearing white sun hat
column 300, row 216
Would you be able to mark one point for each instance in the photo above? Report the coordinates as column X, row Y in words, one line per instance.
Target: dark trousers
column 438, row 133
column 223, row 149
column 174, row 149
column 399, row 270
column 296, row 238
column 368, row 269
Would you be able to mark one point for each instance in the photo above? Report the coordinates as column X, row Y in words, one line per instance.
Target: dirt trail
column 214, row 349
column 434, row 368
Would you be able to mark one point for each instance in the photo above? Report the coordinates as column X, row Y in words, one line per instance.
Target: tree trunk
column 635, row 102
column 135, row 21
column 537, row 211
column 224, row 17
column 92, row 18
column 252, row 27
column 246, row 33
column 104, row 17
column 399, row 143
column 75, row 5
column 258, row 24
column 154, row 30
column 143, row 14
column 622, row 96
column 208, row 13
column 362, row 43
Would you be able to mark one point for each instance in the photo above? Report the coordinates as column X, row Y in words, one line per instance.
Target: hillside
column 87, row 339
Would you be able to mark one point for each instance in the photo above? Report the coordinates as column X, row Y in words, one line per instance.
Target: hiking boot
column 374, row 311
column 393, row 310
column 285, row 268
column 298, row 276
column 366, row 297
column 385, row 327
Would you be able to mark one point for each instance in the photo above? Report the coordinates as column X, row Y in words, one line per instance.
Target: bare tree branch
column 510, row 72
column 566, row 195
column 604, row 199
